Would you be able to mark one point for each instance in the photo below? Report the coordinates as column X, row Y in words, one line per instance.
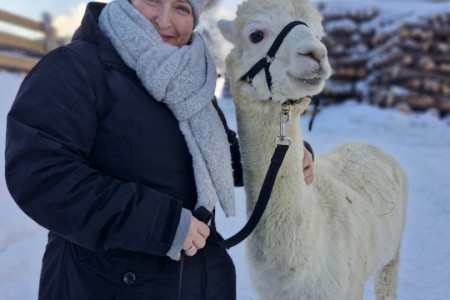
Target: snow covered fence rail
column 389, row 56
column 22, row 53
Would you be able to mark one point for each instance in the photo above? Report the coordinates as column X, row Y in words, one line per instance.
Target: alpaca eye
column 256, row 37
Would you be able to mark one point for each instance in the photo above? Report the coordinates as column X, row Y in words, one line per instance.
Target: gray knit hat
column 197, row 6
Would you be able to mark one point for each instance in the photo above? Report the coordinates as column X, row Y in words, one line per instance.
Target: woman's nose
column 163, row 18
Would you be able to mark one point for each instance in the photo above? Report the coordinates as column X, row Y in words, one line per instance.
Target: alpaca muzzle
column 266, row 61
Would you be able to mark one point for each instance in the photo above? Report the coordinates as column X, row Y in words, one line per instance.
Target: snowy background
column 420, row 142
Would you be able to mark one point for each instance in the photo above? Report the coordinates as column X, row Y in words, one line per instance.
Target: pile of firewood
column 349, row 43
column 411, row 66
column 403, row 64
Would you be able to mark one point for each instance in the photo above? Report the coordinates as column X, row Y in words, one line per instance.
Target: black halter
column 264, row 63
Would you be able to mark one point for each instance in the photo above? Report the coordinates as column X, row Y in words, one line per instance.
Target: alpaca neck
column 257, row 133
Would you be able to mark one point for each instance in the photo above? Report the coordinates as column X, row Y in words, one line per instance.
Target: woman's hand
column 308, row 166
column 196, row 238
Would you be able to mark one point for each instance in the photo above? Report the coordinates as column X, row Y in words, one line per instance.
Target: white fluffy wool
column 321, row 241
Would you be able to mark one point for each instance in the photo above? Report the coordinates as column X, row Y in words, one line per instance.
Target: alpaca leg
column 387, row 280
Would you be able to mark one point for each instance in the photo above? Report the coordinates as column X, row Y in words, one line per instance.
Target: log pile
column 348, row 39
column 402, row 63
column 412, row 66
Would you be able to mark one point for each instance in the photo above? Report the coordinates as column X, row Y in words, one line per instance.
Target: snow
column 420, row 142
column 344, row 26
column 22, row 242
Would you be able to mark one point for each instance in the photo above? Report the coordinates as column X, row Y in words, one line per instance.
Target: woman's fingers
column 191, row 251
column 308, row 166
column 203, row 229
column 196, row 238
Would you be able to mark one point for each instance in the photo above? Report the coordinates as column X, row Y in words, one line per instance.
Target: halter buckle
column 285, row 120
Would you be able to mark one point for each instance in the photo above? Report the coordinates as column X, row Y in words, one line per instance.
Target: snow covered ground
column 421, row 143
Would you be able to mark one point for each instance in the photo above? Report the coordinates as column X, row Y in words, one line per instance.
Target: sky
column 66, row 14
column 34, row 8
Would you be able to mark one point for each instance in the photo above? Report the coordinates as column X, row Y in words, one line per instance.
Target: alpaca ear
column 226, row 28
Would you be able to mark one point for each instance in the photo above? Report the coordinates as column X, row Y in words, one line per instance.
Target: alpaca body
column 319, row 241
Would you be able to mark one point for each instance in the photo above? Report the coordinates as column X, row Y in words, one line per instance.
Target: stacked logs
column 401, row 63
column 412, row 66
column 348, row 40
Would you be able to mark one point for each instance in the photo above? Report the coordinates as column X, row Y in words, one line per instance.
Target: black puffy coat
column 92, row 157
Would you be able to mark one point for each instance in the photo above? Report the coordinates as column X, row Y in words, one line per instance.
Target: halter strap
column 264, row 63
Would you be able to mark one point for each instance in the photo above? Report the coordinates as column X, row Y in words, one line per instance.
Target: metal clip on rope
column 285, row 120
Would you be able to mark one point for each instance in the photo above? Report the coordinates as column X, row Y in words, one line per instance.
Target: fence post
column 22, row 53
column 50, row 35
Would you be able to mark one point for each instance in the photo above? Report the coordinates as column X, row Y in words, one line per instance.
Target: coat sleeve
column 50, row 130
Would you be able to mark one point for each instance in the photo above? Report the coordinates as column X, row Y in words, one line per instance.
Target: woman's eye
column 184, row 9
column 150, row 2
column 256, row 36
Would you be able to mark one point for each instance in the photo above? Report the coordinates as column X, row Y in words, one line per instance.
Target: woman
column 112, row 142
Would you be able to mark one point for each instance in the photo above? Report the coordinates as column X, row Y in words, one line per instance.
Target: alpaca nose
column 314, row 50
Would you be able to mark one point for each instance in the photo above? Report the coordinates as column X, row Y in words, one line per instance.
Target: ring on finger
column 191, row 249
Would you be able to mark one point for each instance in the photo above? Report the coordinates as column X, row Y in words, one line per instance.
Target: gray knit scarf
column 184, row 79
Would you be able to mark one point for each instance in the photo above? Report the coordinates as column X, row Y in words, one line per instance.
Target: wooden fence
column 20, row 53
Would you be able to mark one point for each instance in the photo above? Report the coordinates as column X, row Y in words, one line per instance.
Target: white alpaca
column 321, row 241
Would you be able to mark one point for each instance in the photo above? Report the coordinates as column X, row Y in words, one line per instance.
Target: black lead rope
column 180, row 277
column 316, row 103
column 263, row 199
column 265, row 62
column 202, row 213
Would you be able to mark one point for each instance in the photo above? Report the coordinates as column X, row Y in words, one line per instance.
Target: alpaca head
column 300, row 66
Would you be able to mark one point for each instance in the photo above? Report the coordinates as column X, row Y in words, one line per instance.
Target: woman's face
column 173, row 19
